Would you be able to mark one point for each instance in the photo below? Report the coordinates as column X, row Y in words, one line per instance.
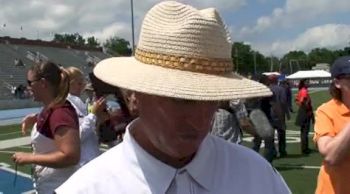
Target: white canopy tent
column 271, row 73
column 309, row 74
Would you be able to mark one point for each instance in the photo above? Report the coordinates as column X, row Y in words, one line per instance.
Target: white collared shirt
column 89, row 144
column 218, row 168
column 79, row 106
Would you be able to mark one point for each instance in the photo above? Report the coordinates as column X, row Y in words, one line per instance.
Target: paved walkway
column 14, row 142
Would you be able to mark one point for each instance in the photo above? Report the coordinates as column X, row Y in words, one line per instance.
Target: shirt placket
column 181, row 184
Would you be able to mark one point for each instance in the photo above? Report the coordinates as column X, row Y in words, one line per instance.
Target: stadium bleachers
column 10, row 75
column 13, row 73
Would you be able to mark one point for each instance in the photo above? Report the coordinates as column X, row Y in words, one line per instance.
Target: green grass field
column 299, row 171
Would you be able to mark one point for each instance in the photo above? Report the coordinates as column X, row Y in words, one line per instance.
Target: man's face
column 174, row 127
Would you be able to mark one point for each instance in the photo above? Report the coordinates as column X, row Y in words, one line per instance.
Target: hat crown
column 182, row 53
column 172, row 28
column 341, row 66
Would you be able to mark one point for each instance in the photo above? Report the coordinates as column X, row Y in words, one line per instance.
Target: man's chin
column 186, row 151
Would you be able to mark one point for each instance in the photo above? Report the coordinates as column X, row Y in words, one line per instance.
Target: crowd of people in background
column 20, row 92
column 233, row 117
column 97, row 123
column 65, row 120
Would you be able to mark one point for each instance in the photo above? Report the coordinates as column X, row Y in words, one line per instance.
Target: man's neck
column 346, row 101
column 136, row 132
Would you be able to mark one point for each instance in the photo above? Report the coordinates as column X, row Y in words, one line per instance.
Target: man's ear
column 337, row 83
column 132, row 103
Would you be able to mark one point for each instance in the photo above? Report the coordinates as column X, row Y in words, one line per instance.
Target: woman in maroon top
column 55, row 135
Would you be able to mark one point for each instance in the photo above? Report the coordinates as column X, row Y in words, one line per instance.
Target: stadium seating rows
column 15, row 59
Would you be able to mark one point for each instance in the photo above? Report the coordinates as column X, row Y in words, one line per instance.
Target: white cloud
column 109, row 31
column 61, row 11
column 41, row 19
column 317, row 7
column 331, row 36
column 294, row 12
column 223, row 5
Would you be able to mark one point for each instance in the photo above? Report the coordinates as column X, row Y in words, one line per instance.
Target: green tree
column 72, row 39
column 92, row 42
column 242, row 58
column 321, row 55
column 117, row 46
column 248, row 61
column 346, row 51
column 294, row 61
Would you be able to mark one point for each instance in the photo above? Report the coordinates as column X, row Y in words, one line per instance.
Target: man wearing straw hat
column 182, row 68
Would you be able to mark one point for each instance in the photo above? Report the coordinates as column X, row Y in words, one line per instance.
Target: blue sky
column 272, row 27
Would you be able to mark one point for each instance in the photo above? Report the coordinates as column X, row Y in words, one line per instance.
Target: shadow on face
column 174, row 126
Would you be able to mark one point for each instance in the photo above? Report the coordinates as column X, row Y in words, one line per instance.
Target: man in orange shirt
column 332, row 132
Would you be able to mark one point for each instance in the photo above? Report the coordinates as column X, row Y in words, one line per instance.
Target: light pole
column 254, row 52
column 271, row 64
column 236, row 56
column 132, row 27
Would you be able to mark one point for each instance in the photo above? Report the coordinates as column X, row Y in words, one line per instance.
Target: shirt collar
column 342, row 108
column 202, row 167
column 78, row 104
column 157, row 174
column 160, row 175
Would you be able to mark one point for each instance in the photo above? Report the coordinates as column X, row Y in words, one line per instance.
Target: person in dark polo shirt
column 55, row 134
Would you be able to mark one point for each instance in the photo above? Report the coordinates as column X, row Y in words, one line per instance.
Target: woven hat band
column 193, row 64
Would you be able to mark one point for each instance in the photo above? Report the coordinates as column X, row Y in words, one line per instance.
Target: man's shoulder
column 329, row 106
column 236, row 153
column 94, row 175
column 236, row 162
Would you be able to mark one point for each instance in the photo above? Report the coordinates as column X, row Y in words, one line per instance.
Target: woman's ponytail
column 62, row 89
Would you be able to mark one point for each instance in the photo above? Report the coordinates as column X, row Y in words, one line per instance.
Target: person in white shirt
column 182, row 68
column 87, row 121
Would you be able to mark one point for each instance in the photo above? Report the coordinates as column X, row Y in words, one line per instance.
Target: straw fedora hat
column 182, row 53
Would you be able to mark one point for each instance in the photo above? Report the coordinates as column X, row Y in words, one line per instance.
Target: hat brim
column 129, row 73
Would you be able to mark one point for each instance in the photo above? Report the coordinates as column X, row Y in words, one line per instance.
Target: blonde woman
column 55, row 136
column 87, row 121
